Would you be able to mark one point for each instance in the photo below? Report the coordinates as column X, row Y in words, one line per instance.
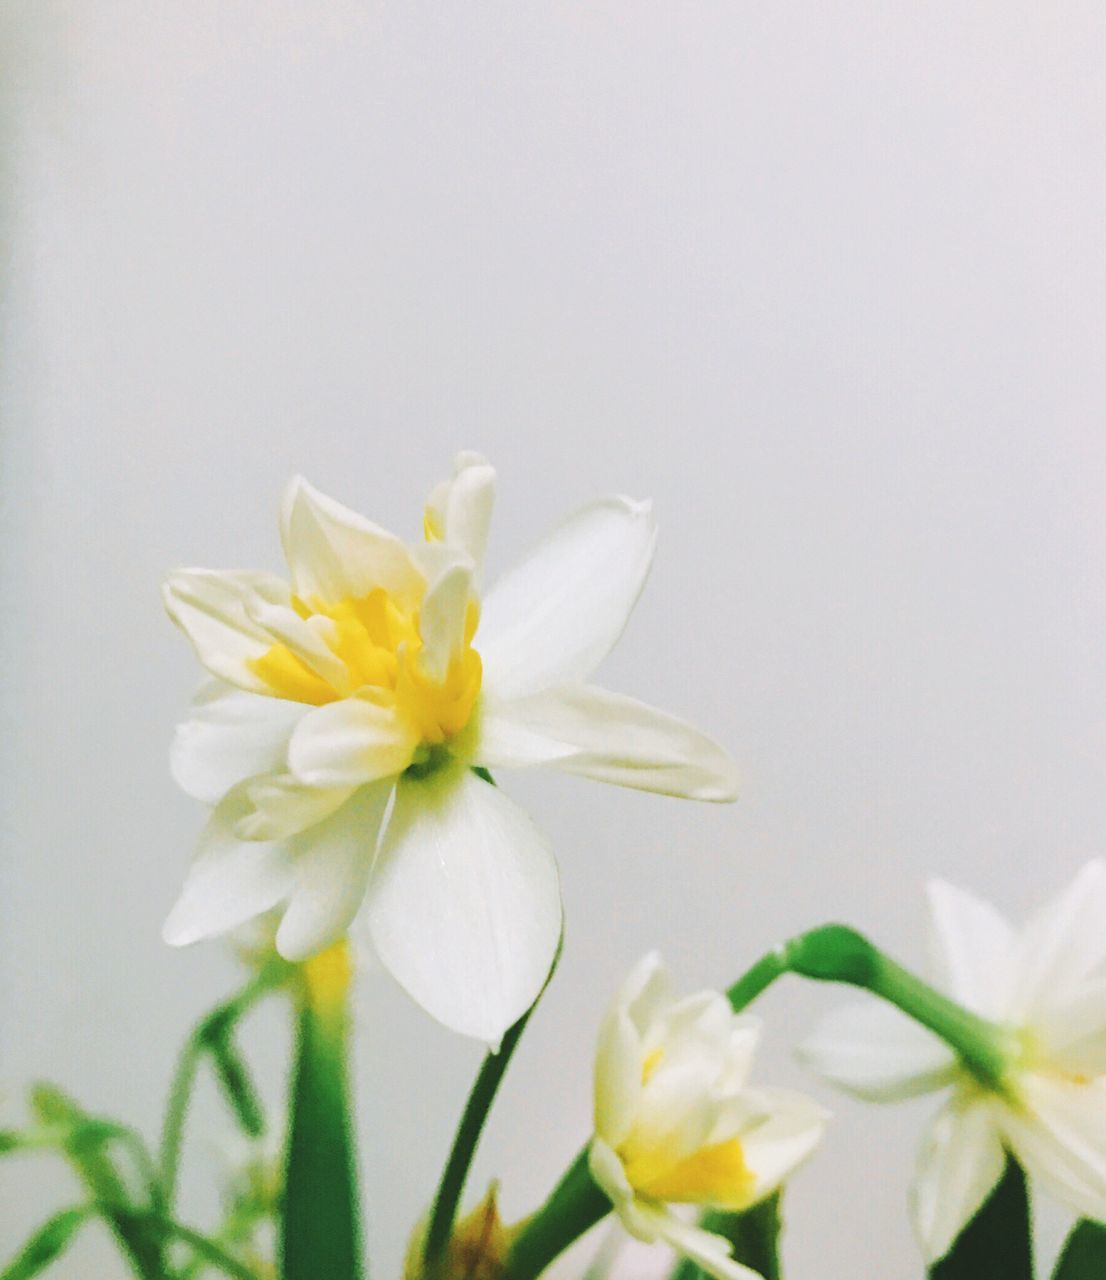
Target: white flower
column 337, row 738
column 677, row 1123
column 1046, row 987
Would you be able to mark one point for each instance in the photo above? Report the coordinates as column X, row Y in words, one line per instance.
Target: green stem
column 836, row 953
column 205, row 1247
column 212, row 1028
column 479, row 1104
column 576, row 1204
column 320, row 1227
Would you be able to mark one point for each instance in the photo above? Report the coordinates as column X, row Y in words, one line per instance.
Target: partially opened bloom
column 1045, row 990
column 348, row 708
column 676, row 1121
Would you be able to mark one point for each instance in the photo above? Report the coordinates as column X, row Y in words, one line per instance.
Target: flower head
column 1044, row 986
column 676, row 1121
column 349, row 706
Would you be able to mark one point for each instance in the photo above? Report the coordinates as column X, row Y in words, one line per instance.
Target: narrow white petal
column 1058, row 1134
column 1062, row 945
column 961, row 1162
column 971, row 948
column 713, row 1254
column 606, row 1168
column 619, row 1056
column 776, row 1147
column 462, row 507
column 333, row 861
column 215, row 611
column 230, row 880
column 585, row 730
column 442, row 619
column 231, row 735
column 1073, row 1031
column 348, row 743
column 559, row 613
column 283, row 807
column 464, row 905
column 877, row 1053
column 335, row 553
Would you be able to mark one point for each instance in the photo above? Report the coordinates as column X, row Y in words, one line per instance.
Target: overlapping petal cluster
column 349, row 707
column 677, row 1122
column 1045, row 986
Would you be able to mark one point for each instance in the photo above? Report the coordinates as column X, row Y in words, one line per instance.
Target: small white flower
column 347, row 709
column 1045, row 985
column 676, row 1121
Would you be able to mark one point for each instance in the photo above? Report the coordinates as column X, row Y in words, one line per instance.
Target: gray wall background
column 824, row 280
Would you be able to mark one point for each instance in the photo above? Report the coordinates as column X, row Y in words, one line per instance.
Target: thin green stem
column 452, row 1184
column 576, row 1204
column 836, row 953
column 207, row 1248
column 211, row 1029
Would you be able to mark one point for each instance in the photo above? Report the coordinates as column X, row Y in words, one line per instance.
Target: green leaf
column 47, row 1244
column 234, row 1077
column 754, row 1235
column 1084, row 1255
column 997, row 1244
column 320, row 1232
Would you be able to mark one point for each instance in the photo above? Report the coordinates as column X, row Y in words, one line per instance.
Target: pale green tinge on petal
column 350, row 742
column 972, row 949
column 961, row 1162
column 558, row 614
column 282, row 806
column 215, row 610
column 464, row 905
column 334, row 553
column 620, row 1051
column 231, row 735
column 877, row 1053
column 333, row 863
column 607, row 736
column 1058, row 1135
column 230, row 880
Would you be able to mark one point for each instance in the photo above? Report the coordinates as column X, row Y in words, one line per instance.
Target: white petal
column 877, row 1053
column 972, row 949
column 333, row 861
column 1062, row 945
column 215, row 611
column 585, row 730
column 712, row 1254
column 283, row 807
column 230, row 880
column 334, row 553
column 1073, row 1032
column 442, row 619
column 232, row 735
column 776, row 1147
column 606, row 1168
column 559, row 613
column 619, row 1055
column 350, row 742
column 1058, row 1134
column 462, row 507
column 961, row 1162
column 464, row 905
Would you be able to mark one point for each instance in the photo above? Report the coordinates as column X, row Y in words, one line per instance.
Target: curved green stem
column 211, row 1029
column 837, row 953
column 479, row 1104
column 577, row 1203
column 207, row 1249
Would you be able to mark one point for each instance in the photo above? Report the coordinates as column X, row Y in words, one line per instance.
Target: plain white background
column 825, row 281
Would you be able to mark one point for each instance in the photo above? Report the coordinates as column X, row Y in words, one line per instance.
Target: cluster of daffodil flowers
column 345, row 739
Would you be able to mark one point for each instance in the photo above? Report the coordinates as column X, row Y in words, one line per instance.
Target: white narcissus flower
column 676, row 1121
column 347, row 708
column 1045, row 986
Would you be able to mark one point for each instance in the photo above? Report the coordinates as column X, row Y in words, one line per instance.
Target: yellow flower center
column 714, row 1175
column 377, row 644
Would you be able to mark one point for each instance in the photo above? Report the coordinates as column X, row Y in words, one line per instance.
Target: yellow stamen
column 328, row 976
column 378, row 643
column 651, row 1063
